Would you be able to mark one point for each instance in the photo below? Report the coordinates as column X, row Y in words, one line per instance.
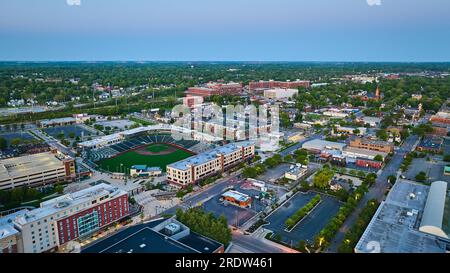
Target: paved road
column 249, row 244
column 377, row 191
column 54, row 143
column 201, row 196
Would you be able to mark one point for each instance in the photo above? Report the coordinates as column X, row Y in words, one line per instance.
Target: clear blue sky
column 248, row 30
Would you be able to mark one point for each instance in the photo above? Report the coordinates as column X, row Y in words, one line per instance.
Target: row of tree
column 302, row 212
column 206, row 224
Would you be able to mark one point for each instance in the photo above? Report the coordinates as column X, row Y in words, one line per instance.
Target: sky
column 225, row 30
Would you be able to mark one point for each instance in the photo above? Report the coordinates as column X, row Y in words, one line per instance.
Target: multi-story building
column 198, row 167
column 278, row 84
column 280, row 93
column 36, row 170
column 69, row 217
column 10, row 240
column 210, row 89
column 374, row 145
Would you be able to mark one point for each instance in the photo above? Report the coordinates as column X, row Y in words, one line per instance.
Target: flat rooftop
column 394, row 227
column 28, row 164
column 208, row 155
column 61, row 203
column 144, row 239
column 364, row 151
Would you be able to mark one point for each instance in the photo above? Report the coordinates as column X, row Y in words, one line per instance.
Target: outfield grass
column 157, row 148
column 132, row 158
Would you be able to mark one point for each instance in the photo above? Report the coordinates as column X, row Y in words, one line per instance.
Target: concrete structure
column 434, row 220
column 374, row 145
column 36, row 170
column 237, row 198
column 198, row 167
column 69, row 217
column 395, row 226
column 318, row 145
column 280, row 93
column 161, row 128
column 144, row 171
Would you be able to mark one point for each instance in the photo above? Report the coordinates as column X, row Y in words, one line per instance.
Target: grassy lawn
column 156, row 148
column 132, row 158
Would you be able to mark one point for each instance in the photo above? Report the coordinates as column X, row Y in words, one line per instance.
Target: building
column 10, row 240
column 318, row 145
column 237, row 198
column 295, row 173
column 157, row 236
column 434, row 221
column 395, row 227
column 294, row 136
column 278, row 84
column 280, row 93
column 374, row 145
column 57, row 122
column 341, row 130
column 198, row 167
column 36, row 170
column 144, row 171
column 335, row 113
column 441, row 118
column 447, row 170
column 367, row 163
column 192, row 101
column 220, row 89
column 69, row 217
column 430, row 144
column 372, row 121
column 351, row 152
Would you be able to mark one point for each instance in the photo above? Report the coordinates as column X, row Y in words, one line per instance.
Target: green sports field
column 131, row 158
column 157, row 148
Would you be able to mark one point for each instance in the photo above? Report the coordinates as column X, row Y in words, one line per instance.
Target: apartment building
column 36, row 170
column 278, row 84
column 198, row 167
column 68, row 217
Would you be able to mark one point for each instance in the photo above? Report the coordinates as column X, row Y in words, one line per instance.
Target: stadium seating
column 135, row 142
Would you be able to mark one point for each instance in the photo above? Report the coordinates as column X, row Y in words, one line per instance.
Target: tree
column 447, row 158
column 382, row 134
column 322, row 178
column 3, row 144
column 16, row 141
column 421, row 176
column 378, row 158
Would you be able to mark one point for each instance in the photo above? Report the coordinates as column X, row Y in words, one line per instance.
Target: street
column 377, row 191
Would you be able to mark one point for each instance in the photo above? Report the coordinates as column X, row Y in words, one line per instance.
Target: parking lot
column 434, row 169
column 273, row 174
column 235, row 215
column 12, row 135
column 309, row 226
column 67, row 130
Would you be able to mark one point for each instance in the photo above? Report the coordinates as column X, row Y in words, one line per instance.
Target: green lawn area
column 156, row 148
column 132, row 158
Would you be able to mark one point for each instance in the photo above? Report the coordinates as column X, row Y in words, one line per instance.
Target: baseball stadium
column 153, row 147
